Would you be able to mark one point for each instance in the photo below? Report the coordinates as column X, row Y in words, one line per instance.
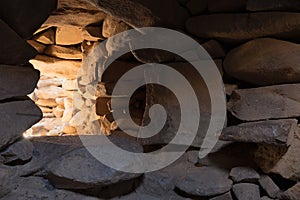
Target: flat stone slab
column 272, row 102
column 247, row 191
column 205, row 181
column 276, row 132
column 244, row 174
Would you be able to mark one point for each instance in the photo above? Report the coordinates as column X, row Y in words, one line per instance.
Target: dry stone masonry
column 46, row 77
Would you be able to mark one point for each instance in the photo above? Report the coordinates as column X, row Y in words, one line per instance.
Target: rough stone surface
column 13, row 47
column 241, row 27
column 292, row 193
column 6, row 174
column 276, row 132
column 153, row 56
column 53, row 67
column 18, row 152
column 205, row 181
column 247, row 191
column 243, row 174
column 20, row 115
column 264, row 62
column 113, row 26
column 287, row 5
column 226, row 6
column 27, row 20
column 269, row 186
column 226, row 196
column 68, row 35
column 69, row 53
column 78, row 169
column 17, row 80
column 45, row 37
column 272, row 102
column 37, row 46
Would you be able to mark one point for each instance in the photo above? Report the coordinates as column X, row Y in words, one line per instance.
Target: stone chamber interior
column 254, row 44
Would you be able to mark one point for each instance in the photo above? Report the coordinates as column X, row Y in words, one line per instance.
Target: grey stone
column 205, row 181
column 272, row 102
column 242, row 27
column 269, row 186
column 244, row 174
column 17, row 80
column 277, row 132
column 27, row 20
column 288, row 5
column 263, row 61
column 78, row 169
column 17, row 117
column 6, row 174
column 265, row 198
column 19, row 151
column 247, row 191
column 292, row 193
column 14, row 50
column 226, row 196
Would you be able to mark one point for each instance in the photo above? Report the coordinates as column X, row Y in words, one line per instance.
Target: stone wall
column 255, row 45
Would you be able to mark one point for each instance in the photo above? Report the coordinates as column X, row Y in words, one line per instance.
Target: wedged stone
column 78, row 169
column 6, row 175
column 226, row 6
column 242, row 27
column 244, row 174
column 20, row 115
column 46, row 102
column 54, row 67
column 27, row 20
column 205, row 181
column 112, row 26
column 272, row 102
column 58, row 112
column 45, row 37
column 14, row 47
column 37, row 46
column 226, row 196
column 76, row 17
column 50, row 82
column 70, row 53
column 17, row 80
column 18, row 152
column 264, row 61
column 278, row 159
column 46, row 109
column 275, row 132
column 287, row 5
column 214, row 49
column 196, row 7
column 70, row 85
column 247, row 191
column 52, row 92
column 292, row 193
column 269, row 186
column 229, row 88
column 68, row 35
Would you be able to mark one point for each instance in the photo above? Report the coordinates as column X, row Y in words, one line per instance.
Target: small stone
column 52, row 92
column 68, row 114
column 226, row 196
column 38, row 46
column 58, row 112
column 243, row 174
column 292, row 193
column 69, row 130
column 18, row 152
column 197, row 7
column 46, row 109
column 70, row 85
column 68, row 35
column 69, row 53
column 205, row 181
column 46, row 81
column 52, row 67
column 46, row 37
column 46, row 102
column 247, row 191
column 229, row 88
column 113, row 26
column 269, row 186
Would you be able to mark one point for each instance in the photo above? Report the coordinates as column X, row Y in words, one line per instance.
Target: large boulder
column 272, row 102
column 25, row 17
column 17, row 80
column 243, row 27
column 14, row 50
column 265, row 62
column 17, row 117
